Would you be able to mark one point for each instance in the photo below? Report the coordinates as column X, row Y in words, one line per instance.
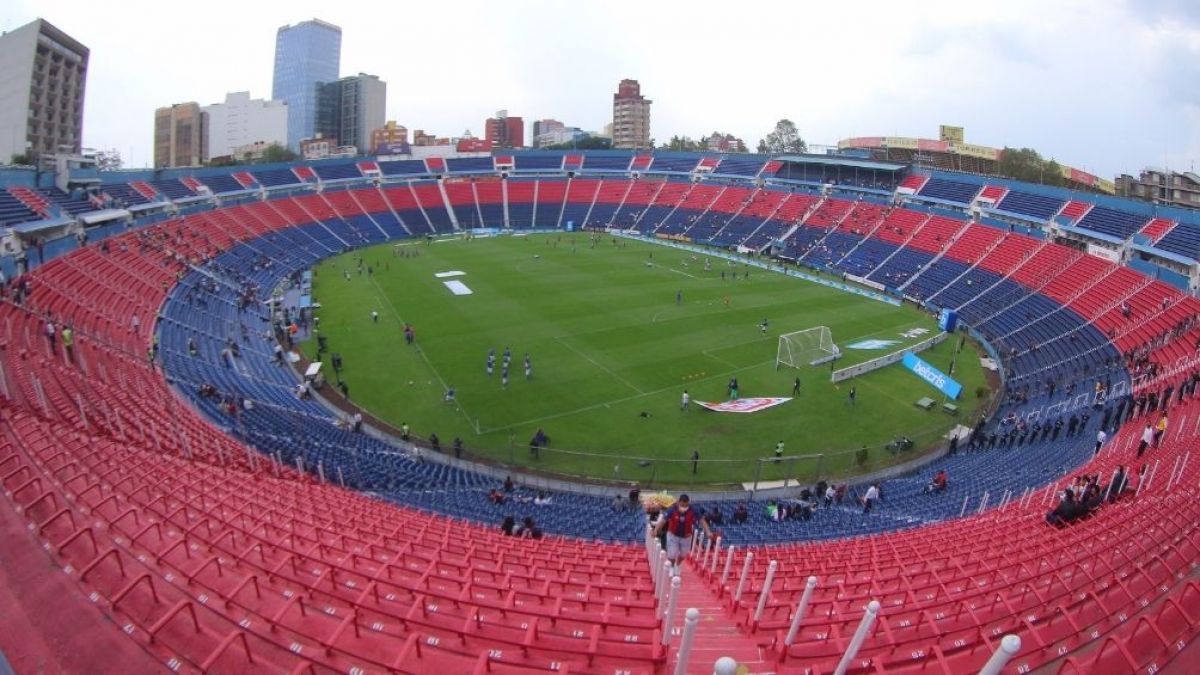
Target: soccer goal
column 813, row 346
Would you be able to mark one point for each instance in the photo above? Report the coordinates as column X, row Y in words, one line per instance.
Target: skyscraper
column 41, row 91
column 307, row 55
column 631, row 117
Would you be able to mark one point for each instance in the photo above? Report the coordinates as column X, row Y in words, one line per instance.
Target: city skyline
column 1022, row 74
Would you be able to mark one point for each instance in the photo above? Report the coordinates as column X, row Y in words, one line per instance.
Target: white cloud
column 1105, row 87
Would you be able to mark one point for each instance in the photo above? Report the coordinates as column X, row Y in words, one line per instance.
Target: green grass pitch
column 608, row 342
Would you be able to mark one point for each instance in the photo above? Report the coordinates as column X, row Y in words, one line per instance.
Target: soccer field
column 615, row 334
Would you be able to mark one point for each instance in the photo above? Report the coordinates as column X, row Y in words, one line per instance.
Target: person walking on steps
column 679, row 523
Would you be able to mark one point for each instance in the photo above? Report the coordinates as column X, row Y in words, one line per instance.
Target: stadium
column 229, row 395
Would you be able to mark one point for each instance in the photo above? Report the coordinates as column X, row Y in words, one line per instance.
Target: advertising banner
column 936, row 378
column 744, row 405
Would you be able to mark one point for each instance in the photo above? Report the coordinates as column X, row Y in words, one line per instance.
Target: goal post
column 812, row 346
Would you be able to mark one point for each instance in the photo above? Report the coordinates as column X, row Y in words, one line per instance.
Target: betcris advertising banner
column 936, row 378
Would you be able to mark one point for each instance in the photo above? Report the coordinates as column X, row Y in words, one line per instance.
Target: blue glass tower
column 306, row 55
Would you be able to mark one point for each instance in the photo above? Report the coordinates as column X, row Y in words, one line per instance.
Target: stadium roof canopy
column 842, row 161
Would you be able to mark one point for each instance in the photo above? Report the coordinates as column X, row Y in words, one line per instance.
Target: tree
column 277, row 153
column 683, row 144
column 785, row 139
column 1027, row 165
column 109, row 160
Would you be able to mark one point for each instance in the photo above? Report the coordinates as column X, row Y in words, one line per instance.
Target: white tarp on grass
column 457, row 287
column 451, row 273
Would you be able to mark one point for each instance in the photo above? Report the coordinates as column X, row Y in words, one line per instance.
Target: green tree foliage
column 277, row 153
column 785, row 139
column 683, row 144
column 1027, row 165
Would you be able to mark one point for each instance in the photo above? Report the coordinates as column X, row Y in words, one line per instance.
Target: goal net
column 812, row 346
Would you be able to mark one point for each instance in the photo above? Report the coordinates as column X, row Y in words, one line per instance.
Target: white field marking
column 605, row 404
column 672, row 269
column 599, row 365
column 457, row 287
column 714, row 357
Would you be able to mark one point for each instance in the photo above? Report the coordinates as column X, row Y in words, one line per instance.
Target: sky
column 1109, row 87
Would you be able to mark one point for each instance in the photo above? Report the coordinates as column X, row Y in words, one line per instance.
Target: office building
column 1170, row 188
column 180, row 136
column 504, row 131
column 241, row 121
column 42, row 76
column 546, row 126
column 389, row 139
column 307, row 55
column 350, row 109
column 631, row 117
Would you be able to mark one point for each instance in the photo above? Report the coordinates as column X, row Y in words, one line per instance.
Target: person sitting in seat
column 1066, row 512
column 529, row 530
column 507, row 527
column 542, row 499
column 496, row 496
column 939, row 482
column 740, row 513
column 715, row 517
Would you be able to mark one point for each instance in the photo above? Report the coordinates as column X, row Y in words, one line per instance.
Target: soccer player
column 504, row 376
column 853, row 394
column 685, row 401
column 762, row 327
column 796, row 387
column 778, row 451
column 528, row 367
column 678, row 297
column 374, row 316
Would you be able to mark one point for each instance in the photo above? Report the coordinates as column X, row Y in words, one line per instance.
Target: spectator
column 507, row 527
column 496, row 496
column 508, row 484
column 715, row 517
column 542, row 499
column 740, row 513
column 938, row 483
column 1066, row 511
column 529, row 530
column 870, row 498
column 679, row 523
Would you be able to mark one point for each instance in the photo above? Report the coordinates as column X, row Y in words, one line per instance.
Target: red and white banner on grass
column 744, row 405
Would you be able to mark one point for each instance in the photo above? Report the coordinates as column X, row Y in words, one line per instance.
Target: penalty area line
column 617, row 401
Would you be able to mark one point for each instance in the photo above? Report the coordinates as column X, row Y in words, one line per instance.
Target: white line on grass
column 616, row 401
column 710, row 355
column 599, row 365
column 672, row 269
